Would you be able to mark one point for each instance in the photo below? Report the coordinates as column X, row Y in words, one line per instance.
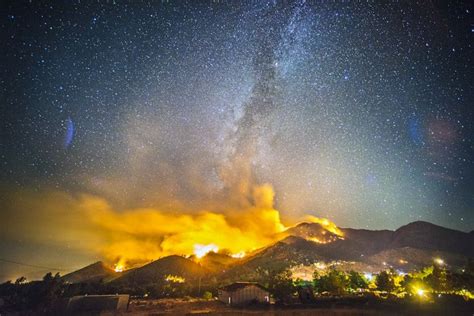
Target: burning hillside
column 129, row 238
column 318, row 230
column 234, row 215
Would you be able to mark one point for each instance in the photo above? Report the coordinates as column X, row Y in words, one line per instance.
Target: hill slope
column 409, row 247
column 95, row 272
column 412, row 246
column 157, row 271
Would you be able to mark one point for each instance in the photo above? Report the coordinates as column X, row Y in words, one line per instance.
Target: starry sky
column 358, row 112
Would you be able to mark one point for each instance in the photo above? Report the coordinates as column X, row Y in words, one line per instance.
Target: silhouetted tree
column 357, row 281
column 20, row 280
column 335, row 282
column 438, row 278
column 279, row 283
column 385, row 282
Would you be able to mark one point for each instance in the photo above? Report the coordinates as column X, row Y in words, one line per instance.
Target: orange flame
column 136, row 236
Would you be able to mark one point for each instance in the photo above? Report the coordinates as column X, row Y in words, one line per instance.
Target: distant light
column 439, row 261
column 369, row 276
column 321, row 265
column 420, row 292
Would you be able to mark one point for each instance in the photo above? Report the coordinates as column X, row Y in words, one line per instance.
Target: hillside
column 158, row 271
column 95, row 272
column 410, row 247
column 423, row 235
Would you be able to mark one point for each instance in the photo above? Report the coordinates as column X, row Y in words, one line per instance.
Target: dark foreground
column 331, row 307
column 345, row 306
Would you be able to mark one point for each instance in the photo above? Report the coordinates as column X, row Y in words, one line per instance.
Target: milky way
column 358, row 112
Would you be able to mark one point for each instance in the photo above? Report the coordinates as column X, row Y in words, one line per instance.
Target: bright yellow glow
column 317, row 240
column 237, row 226
column 420, row 292
column 467, row 294
column 174, row 279
column 439, row 261
column 119, row 267
column 238, row 255
column 327, row 224
column 321, row 265
column 202, row 250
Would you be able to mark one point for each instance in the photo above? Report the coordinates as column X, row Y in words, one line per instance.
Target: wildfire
column 324, row 233
column 202, row 250
column 238, row 255
column 119, row 267
column 174, row 279
column 137, row 236
column 327, row 224
column 317, row 240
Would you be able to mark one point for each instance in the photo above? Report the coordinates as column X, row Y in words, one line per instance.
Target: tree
column 20, row 280
column 279, row 283
column 384, row 282
column 357, row 281
column 438, row 279
column 335, row 282
column 207, row 295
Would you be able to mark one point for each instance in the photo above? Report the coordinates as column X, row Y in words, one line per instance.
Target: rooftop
column 240, row 285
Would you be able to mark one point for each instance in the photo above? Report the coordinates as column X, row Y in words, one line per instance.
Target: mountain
column 361, row 242
column 410, row 247
column 95, row 272
column 425, row 235
column 171, row 268
column 407, row 258
column 217, row 262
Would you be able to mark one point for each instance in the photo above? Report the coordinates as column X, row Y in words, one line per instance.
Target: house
column 242, row 293
column 92, row 304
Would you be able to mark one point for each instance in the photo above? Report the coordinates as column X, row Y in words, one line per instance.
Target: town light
column 369, row 276
column 439, row 261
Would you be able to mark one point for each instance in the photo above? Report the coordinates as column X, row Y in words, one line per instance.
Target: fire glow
column 202, row 250
column 174, row 279
column 238, row 255
column 119, row 268
column 132, row 237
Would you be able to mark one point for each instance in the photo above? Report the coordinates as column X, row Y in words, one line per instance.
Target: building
column 96, row 304
column 242, row 293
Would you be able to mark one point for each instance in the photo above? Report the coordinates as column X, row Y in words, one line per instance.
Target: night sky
column 358, row 112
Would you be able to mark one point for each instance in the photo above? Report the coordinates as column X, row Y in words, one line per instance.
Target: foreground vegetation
column 426, row 285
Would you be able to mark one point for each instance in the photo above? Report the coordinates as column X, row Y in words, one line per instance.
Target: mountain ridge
column 410, row 246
